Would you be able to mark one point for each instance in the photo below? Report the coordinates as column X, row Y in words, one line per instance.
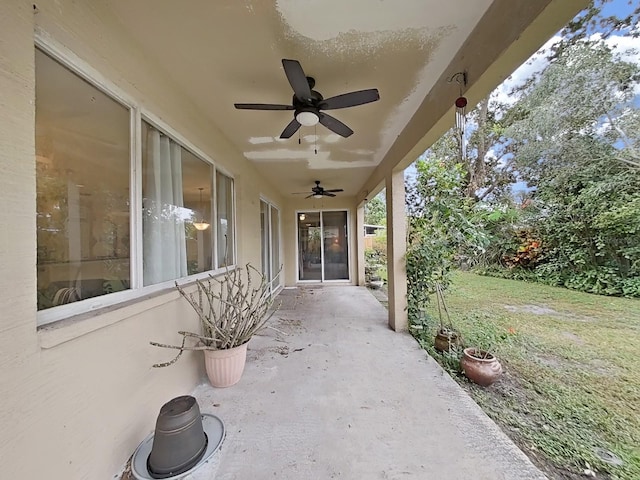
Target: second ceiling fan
column 308, row 104
column 319, row 192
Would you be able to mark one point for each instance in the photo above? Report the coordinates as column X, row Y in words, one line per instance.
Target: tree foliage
column 375, row 210
column 439, row 228
column 575, row 138
column 598, row 19
column 573, row 135
column 584, row 98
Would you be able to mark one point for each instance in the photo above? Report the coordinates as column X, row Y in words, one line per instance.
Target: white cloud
column 627, row 47
column 535, row 64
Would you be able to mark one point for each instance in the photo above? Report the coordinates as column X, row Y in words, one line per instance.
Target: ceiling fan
column 308, row 104
column 319, row 192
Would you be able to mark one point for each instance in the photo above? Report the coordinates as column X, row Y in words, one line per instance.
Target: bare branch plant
column 231, row 311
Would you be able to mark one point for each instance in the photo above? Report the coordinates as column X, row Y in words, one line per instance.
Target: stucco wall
column 76, row 402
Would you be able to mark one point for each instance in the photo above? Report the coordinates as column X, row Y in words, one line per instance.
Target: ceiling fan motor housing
column 316, row 98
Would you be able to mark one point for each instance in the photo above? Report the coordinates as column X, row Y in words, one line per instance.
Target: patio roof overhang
column 219, row 53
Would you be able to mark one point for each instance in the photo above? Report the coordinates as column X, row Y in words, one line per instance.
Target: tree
column 587, row 93
column 375, row 210
column 487, row 165
column 598, row 18
column 574, row 141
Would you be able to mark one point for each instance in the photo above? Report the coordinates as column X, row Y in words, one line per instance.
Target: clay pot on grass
column 445, row 339
column 480, row 367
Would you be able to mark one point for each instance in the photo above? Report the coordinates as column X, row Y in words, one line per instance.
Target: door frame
column 349, row 244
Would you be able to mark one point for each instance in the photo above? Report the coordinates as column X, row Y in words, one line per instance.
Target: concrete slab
column 333, row 393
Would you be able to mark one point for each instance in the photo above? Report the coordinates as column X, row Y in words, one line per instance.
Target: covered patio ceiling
column 220, row 53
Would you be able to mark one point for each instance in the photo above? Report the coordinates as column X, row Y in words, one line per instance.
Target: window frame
column 137, row 113
column 233, row 220
column 276, row 282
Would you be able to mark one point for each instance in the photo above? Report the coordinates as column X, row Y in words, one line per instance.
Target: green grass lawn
column 570, row 393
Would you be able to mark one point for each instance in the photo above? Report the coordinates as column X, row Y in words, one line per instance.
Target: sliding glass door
column 323, row 251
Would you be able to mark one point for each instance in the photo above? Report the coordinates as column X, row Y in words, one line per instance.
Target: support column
column 396, row 250
column 360, row 243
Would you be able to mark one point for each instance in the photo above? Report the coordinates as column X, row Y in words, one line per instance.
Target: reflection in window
column 275, row 246
column 270, row 242
column 265, row 241
column 83, row 175
column 82, row 184
column 225, row 227
column 176, row 194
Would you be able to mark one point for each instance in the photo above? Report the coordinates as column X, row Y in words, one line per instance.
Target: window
column 96, row 233
column 270, row 243
column 82, row 185
column 176, row 191
column 225, row 223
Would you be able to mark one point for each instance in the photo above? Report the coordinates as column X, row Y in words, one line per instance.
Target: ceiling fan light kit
column 307, row 118
column 308, row 104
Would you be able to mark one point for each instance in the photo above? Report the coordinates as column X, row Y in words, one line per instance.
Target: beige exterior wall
column 78, row 397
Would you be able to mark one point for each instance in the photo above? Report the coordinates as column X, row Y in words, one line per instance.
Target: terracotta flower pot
column 445, row 340
column 480, row 367
column 225, row 367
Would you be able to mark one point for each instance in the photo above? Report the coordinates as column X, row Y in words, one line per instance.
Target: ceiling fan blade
column 290, row 129
column 335, row 190
column 327, row 194
column 297, row 79
column 335, row 125
column 351, row 99
column 262, row 106
column 310, row 196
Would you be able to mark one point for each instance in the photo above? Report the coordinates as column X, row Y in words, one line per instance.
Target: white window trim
column 279, row 284
column 137, row 291
column 233, row 219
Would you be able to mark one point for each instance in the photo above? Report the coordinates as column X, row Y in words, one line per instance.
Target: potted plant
column 480, row 366
column 446, row 336
column 231, row 310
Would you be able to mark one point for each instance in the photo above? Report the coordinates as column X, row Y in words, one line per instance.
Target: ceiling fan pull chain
column 315, row 138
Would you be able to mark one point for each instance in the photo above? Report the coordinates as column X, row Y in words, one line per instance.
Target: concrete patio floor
column 331, row 392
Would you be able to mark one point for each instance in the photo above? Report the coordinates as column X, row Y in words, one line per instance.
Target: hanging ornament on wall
column 461, row 111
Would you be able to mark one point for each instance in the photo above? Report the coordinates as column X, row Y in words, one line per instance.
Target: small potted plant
column 231, row 310
column 480, row 366
column 446, row 337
